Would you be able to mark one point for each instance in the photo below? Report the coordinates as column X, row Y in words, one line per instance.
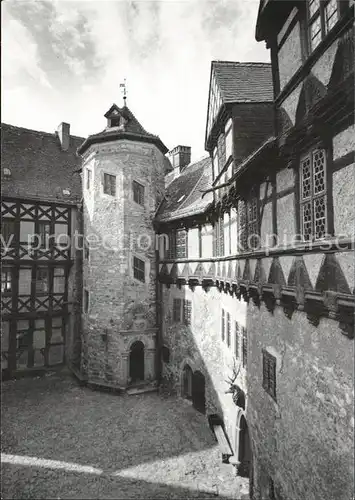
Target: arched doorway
column 187, row 382
column 198, row 392
column 136, row 361
column 244, row 453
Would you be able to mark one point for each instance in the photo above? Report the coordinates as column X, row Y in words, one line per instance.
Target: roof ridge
column 193, row 163
column 245, row 63
column 38, row 132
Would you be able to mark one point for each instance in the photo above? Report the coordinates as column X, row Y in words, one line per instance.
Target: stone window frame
column 244, row 346
column 88, row 178
column 182, row 311
column 236, row 339
column 146, row 267
column 86, row 301
column 187, row 312
column 138, row 266
column 177, row 310
column 269, row 373
column 228, row 329
column 223, row 325
column 104, row 175
column 139, row 189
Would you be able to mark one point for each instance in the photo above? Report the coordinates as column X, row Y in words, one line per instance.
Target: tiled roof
column 132, row 130
column 183, row 195
column 40, row 169
column 243, row 82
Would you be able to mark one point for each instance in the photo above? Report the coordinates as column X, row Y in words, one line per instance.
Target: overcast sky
column 64, row 61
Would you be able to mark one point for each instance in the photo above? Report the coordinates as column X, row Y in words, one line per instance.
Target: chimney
column 180, row 157
column 63, row 131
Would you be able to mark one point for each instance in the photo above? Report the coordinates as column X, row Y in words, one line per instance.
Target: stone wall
column 121, row 308
column 200, row 345
column 304, row 439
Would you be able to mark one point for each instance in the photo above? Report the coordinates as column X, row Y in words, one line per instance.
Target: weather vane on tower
column 124, row 91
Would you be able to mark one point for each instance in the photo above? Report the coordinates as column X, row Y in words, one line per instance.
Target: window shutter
column 236, row 339
column 187, row 312
column 177, row 310
column 244, row 347
column 223, row 325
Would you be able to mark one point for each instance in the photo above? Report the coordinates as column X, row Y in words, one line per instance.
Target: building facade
column 40, row 271
column 280, row 267
column 229, row 280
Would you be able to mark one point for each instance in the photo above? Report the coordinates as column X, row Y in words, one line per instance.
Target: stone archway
column 198, row 392
column 136, row 362
column 243, row 447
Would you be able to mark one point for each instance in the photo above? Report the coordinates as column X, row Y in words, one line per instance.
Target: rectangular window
column 244, row 347
column 322, row 16
column 6, row 281
column 248, row 224
column 229, row 139
column 86, row 251
column 269, row 373
column 138, row 193
column 313, row 198
column 110, row 184
column 139, row 269
column 86, row 301
column 228, row 329
column 223, row 326
column 187, row 312
column 44, row 232
column 88, row 178
column 236, row 339
column 221, row 236
column 58, row 280
column 42, row 280
column 170, row 251
column 8, row 231
column 177, row 310
column 181, row 244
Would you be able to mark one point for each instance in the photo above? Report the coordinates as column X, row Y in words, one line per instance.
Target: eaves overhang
column 120, row 135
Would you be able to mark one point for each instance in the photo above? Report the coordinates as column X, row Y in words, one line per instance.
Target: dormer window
column 115, row 122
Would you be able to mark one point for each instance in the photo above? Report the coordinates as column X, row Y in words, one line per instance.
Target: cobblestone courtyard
column 61, row 441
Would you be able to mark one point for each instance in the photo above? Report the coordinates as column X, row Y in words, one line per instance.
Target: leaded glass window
column 313, row 195
column 322, row 16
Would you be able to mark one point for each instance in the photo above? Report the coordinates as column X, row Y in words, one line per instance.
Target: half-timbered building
column 40, row 272
column 280, row 236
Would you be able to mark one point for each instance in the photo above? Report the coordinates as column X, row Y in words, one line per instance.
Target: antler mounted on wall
column 231, row 380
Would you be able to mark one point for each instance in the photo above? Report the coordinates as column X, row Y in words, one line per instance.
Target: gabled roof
column 131, row 129
column 183, row 196
column 241, row 82
column 236, row 83
column 40, row 169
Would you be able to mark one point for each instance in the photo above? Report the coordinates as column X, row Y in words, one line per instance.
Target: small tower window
column 115, row 122
column 110, row 184
column 139, row 269
column 138, row 192
column 269, row 373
